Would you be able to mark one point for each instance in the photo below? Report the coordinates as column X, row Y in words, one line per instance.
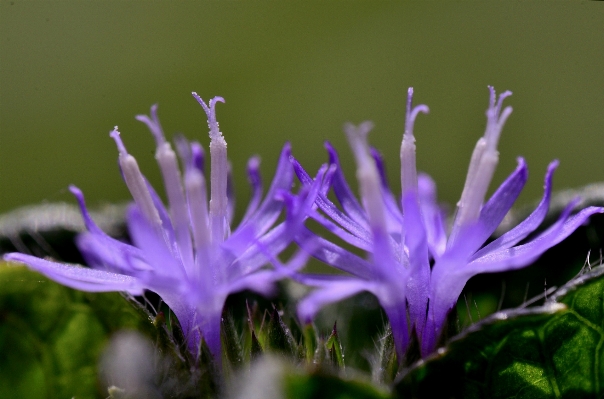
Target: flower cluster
column 415, row 269
column 188, row 255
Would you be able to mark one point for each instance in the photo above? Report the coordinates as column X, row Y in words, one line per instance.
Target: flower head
column 415, row 269
column 187, row 254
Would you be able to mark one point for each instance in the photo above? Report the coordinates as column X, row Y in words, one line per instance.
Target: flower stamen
column 168, row 165
column 367, row 173
column 191, row 155
column 136, row 184
column 218, row 173
column 408, row 164
column 482, row 165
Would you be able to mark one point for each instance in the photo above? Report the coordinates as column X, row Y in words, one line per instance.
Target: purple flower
column 188, row 255
column 415, row 269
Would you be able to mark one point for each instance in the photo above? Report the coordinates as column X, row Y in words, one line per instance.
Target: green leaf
column 252, row 344
column 231, row 343
column 51, row 336
column 255, row 348
column 311, row 342
column 325, row 385
column 279, row 337
column 486, row 293
column 385, row 365
column 552, row 351
column 334, row 348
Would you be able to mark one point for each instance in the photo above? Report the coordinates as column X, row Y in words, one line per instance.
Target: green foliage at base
column 552, row 351
column 318, row 385
column 51, row 336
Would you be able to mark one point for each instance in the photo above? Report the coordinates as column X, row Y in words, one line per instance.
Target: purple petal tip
column 75, row 191
column 553, row 165
column 253, row 163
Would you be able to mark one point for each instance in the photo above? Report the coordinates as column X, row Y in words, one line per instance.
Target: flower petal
column 352, row 225
column 187, row 316
column 311, row 304
column 493, row 212
column 418, row 277
column 528, row 225
column 101, row 253
column 251, row 251
column 394, row 216
column 269, row 210
column 80, row 278
column 340, row 232
column 255, row 180
column 230, row 192
column 434, row 219
column 446, row 284
column 166, row 223
column 333, row 254
column 253, row 256
column 153, row 247
column 262, row 282
column 342, row 191
column 522, row 255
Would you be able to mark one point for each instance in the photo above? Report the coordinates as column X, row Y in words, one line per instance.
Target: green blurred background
column 70, row 71
column 295, row 71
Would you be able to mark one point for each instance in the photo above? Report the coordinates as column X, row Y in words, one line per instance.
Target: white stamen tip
column 409, row 102
column 218, row 172
column 216, row 100
column 408, row 167
column 504, row 95
column 507, row 111
column 75, row 191
column 154, row 112
column 358, row 131
column 367, row 173
column 210, row 110
column 115, row 135
column 253, row 163
column 412, row 113
column 153, row 124
column 483, row 163
column 357, row 137
column 492, row 96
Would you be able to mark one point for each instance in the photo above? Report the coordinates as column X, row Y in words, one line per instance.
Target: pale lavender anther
column 367, row 174
column 408, row 164
column 115, row 135
column 153, row 124
column 168, row 164
column 211, row 114
column 137, row 185
column 219, row 171
column 496, row 118
column 183, row 147
column 482, row 166
column 191, row 154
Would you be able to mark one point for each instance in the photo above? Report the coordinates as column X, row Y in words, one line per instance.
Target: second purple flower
column 415, row 265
